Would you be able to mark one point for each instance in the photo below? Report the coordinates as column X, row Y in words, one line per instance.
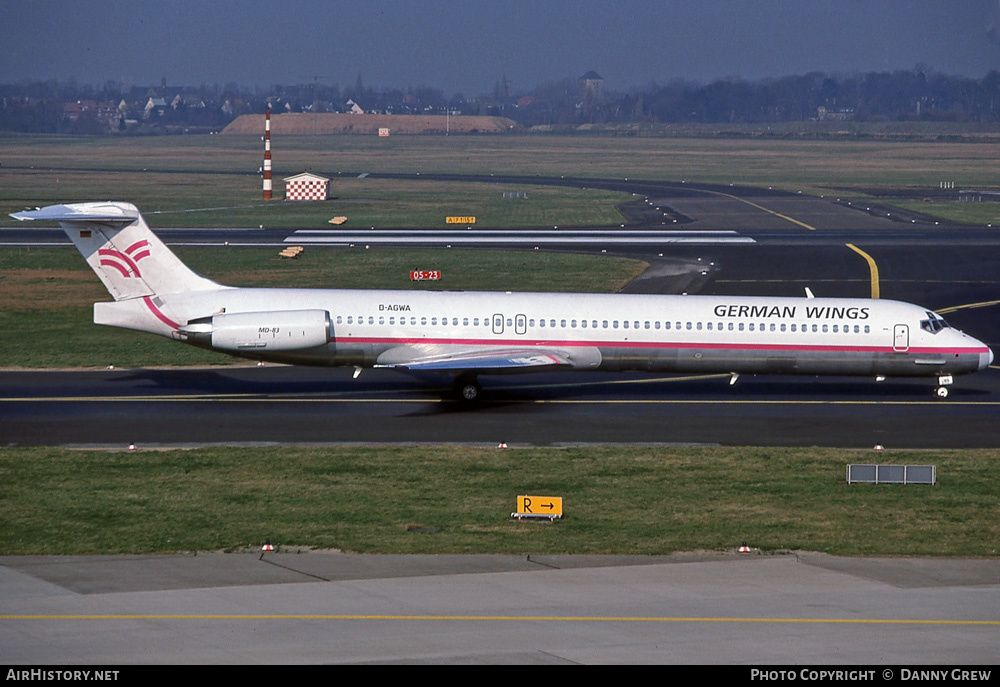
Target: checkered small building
column 307, row 186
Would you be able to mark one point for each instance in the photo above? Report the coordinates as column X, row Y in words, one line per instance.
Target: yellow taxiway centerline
column 872, row 267
column 519, row 618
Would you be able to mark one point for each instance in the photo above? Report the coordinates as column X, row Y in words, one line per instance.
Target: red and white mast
column 267, row 153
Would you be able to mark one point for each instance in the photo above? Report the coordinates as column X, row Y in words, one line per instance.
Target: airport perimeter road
column 333, row 608
column 285, row 405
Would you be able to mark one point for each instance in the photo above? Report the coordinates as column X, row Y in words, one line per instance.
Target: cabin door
column 498, row 324
column 901, row 338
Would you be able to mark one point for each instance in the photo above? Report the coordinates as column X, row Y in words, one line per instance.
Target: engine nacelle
column 279, row 330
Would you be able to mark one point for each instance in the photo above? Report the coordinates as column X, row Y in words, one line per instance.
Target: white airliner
column 472, row 333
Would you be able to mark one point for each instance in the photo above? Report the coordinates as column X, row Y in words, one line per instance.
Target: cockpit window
column 934, row 323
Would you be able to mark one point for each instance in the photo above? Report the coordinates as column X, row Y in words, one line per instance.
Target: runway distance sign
column 425, row 275
column 550, row 507
column 460, row 220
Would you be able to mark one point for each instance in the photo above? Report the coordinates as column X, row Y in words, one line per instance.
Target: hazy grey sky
column 467, row 45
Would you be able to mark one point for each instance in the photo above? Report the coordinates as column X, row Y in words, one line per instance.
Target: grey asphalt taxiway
column 265, row 609
column 319, row 607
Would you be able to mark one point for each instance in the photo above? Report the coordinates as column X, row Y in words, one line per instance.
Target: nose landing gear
column 942, row 390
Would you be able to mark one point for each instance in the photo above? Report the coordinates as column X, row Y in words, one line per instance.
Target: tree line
column 905, row 95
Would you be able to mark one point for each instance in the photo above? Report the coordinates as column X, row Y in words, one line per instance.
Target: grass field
column 448, row 499
column 168, row 174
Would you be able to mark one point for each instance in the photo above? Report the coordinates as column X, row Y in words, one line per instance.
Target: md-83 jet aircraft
column 467, row 334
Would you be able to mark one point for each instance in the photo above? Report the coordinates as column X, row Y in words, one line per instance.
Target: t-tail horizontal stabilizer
column 118, row 245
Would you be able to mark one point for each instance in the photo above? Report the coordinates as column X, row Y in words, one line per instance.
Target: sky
column 466, row 46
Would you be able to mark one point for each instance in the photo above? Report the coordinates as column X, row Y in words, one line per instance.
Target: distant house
column 592, row 84
column 307, row 186
column 354, row 108
column 157, row 105
column 825, row 114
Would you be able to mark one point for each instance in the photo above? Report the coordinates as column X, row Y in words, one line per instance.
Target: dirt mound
column 369, row 124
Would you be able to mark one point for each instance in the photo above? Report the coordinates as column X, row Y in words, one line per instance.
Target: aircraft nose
column 986, row 358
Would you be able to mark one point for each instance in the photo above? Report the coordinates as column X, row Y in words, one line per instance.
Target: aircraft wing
column 495, row 360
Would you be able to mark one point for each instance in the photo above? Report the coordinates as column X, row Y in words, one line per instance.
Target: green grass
column 448, row 499
column 47, row 294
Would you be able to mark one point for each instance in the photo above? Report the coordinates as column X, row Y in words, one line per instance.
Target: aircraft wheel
column 468, row 389
column 941, row 392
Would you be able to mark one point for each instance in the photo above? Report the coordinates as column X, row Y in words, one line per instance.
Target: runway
column 284, row 405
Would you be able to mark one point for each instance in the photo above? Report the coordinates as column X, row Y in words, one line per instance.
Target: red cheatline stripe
column 658, row 344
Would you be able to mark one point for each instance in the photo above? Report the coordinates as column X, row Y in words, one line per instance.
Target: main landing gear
column 468, row 388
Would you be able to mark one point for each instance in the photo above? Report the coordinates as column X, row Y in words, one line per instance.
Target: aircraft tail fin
column 121, row 249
